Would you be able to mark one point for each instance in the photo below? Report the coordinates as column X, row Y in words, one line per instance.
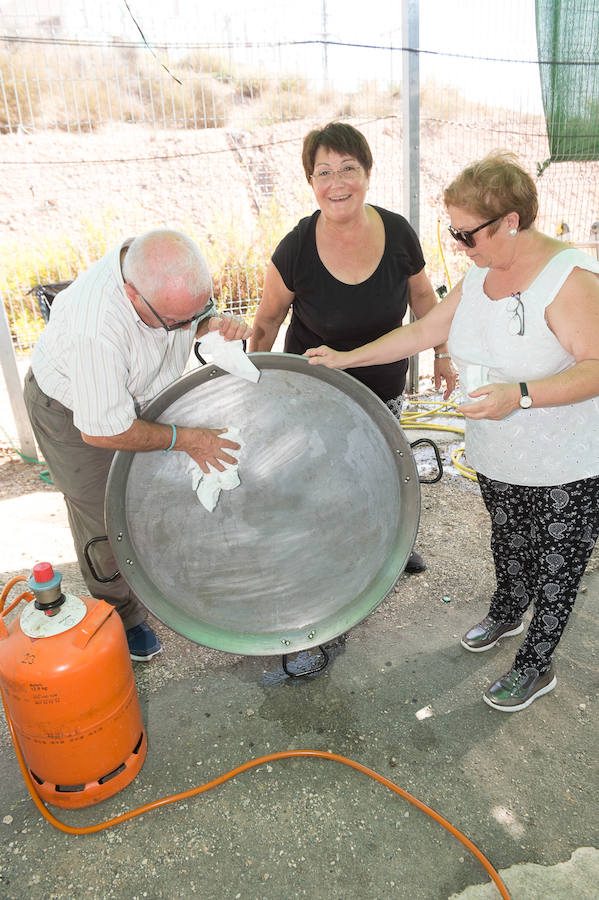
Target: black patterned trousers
column 541, row 539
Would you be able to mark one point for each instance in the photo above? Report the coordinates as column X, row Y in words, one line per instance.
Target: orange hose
column 226, row 776
column 250, row 764
column 27, row 595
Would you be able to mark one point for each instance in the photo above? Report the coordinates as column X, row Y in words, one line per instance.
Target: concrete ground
column 399, row 696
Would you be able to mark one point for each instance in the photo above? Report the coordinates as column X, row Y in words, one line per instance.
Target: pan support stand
column 320, row 664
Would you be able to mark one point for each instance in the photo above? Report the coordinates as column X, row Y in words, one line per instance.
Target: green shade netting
column 568, row 51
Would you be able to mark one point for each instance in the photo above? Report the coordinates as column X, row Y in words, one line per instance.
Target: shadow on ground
column 399, row 696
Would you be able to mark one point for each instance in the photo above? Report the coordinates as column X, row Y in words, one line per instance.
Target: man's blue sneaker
column 143, row 643
column 415, row 564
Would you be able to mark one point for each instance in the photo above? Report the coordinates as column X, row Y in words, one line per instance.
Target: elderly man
column 117, row 336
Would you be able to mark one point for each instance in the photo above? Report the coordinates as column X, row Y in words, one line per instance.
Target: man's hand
column 232, row 328
column 206, row 446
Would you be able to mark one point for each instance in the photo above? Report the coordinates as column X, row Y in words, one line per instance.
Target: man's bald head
column 163, row 263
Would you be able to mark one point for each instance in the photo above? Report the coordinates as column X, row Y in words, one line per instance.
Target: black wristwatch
column 525, row 399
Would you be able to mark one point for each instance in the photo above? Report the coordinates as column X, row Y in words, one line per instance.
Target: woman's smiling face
column 341, row 193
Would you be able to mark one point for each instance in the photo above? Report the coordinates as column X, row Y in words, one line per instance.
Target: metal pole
column 14, row 388
column 325, row 37
column 410, row 31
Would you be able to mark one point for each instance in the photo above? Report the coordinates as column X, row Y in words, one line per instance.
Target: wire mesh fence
column 112, row 121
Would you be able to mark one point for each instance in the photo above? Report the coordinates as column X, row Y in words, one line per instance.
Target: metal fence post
column 14, row 388
column 410, row 32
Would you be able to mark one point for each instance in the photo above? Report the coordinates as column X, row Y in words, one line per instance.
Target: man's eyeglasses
column 209, row 310
column 516, row 307
column 327, row 176
column 466, row 236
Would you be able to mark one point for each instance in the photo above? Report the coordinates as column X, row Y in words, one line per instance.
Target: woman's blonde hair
column 495, row 186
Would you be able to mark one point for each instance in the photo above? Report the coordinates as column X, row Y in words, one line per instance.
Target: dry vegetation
column 94, row 147
column 65, row 88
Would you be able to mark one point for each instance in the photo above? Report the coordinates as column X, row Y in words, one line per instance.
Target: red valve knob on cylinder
column 43, row 572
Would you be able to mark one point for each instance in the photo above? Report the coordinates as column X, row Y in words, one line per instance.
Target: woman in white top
column 523, row 328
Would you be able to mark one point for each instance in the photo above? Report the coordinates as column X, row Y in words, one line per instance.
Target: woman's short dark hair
column 495, row 186
column 341, row 138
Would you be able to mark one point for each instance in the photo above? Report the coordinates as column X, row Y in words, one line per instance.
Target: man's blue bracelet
column 173, row 440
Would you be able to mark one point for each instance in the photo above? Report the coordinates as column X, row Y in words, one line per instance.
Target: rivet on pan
column 129, row 562
column 119, row 536
column 399, row 452
column 407, row 478
column 213, row 373
column 311, row 635
column 286, row 642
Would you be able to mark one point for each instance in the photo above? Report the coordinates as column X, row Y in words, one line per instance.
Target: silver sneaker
column 517, row 690
column 486, row 634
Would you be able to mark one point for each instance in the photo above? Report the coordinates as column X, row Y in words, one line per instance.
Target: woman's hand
column 325, row 356
column 232, row 328
column 498, row 401
column 444, row 370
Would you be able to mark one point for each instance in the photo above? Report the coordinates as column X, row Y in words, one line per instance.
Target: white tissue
column 472, row 377
column 207, row 486
column 229, row 355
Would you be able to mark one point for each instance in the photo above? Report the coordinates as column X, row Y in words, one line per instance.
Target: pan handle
column 196, row 350
column 91, row 541
column 439, row 474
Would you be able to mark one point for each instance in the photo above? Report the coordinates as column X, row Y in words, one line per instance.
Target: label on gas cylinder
column 36, row 623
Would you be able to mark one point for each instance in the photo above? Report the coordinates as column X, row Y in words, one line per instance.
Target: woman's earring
column 513, row 231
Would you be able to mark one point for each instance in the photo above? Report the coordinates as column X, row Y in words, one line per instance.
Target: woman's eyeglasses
column 466, row 236
column 516, row 307
column 327, row 176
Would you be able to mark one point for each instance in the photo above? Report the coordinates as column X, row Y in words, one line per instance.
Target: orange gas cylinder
column 68, row 686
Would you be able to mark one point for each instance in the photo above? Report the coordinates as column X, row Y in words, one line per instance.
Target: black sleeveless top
column 344, row 316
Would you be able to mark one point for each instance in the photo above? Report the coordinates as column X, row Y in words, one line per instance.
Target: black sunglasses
column 209, row 310
column 466, row 236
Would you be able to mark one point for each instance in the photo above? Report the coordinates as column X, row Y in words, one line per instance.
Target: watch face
column 525, row 401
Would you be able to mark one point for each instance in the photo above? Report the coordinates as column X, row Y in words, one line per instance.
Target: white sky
column 499, row 29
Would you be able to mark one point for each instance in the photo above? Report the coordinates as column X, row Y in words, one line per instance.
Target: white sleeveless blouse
column 536, row 446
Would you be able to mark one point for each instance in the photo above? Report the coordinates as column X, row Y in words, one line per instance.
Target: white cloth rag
column 207, row 486
column 229, row 355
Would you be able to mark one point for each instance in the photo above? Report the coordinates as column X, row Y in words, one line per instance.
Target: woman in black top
column 349, row 271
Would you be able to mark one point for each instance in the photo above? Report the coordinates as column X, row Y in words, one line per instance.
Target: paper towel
column 207, row 486
column 229, row 355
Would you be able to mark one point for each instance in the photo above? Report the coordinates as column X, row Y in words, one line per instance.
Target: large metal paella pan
column 311, row 541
